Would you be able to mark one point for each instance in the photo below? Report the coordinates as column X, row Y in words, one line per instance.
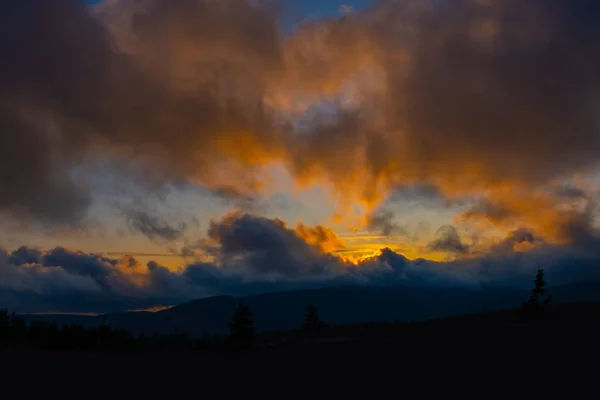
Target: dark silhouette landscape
column 338, row 306
column 299, row 198
column 559, row 336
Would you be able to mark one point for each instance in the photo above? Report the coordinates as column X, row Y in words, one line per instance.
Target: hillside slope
column 338, row 306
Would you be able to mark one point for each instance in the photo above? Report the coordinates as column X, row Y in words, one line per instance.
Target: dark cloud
column 130, row 261
column 25, row 255
column 78, row 263
column 462, row 96
column 383, row 221
column 193, row 83
column 153, row 227
column 579, row 229
column 448, row 241
column 488, row 210
column 199, row 111
column 499, row 78
column 267, row 246
column 397, row 262
column 507, row 245
column 570, row 191
column 391, row 268
column 418, row 193
column 40, row 84
column 266, row 256
column 487, row 98
column 235, row 197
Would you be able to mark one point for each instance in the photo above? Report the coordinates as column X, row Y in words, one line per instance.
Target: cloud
column 36, row 89
column 543, row 210
column 383, row 220
column 463, row 104
column 254, row 254
column 570, row 191
column 418, row 193
column 78, row 263
column 485, row 209
column 322, row 237
column 522, row 239
column 185, row 95
column 493, row 99
column 25, row 255
column 448, row 241
column 268, row 246
column 492, row 105
column 346, row 9
column 464, row 96
column 153, row 227
column 233, row 196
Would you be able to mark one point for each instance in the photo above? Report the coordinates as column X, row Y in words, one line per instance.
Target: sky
column 156, row 151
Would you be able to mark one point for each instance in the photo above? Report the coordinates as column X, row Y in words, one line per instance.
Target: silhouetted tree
column 48, row 335
column 241, row 327
column 312, row 322
column 4, row 327
column 537, row 304
column 18, row 329
column 103, row 331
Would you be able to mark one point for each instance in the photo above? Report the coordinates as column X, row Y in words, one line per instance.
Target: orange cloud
column 212, row 91
column 516, row 206
column 322, row 237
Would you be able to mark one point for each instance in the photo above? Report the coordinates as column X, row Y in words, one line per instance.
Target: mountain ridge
column 337, row 305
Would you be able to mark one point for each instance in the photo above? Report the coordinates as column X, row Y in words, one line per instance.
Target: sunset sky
column 156, row 151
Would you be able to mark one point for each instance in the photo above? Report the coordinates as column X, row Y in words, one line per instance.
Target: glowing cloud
column 484, row 100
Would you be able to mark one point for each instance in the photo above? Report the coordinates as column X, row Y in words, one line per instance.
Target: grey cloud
column 78, row 263
column 154, row 227
column 383, row 220
column 514, row 97
column 25, row 255
column 569, row 191
column 40, row 84
column 580, row 231
column 261, row 255
column 448, row 240
column 418, row 193
column 267, row 246
column 180, row 87
column 487, row 209
column 79, row 92
column 517, row 237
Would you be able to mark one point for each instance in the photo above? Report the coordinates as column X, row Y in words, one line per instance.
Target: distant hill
column 339, row 306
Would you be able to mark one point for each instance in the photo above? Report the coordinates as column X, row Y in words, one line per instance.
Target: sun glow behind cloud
column 180, row 126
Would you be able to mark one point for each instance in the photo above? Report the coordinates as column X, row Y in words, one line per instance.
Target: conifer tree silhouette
column 18, row 328
column 241, row 327
column 4, row 326
column 312, row 322
column 102, row 332
column 533, row 306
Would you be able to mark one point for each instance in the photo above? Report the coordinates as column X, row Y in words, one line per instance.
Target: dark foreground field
column 482, row 358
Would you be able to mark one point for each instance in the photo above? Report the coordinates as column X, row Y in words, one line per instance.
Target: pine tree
column 533, row 307
column 312, row 322
column 241, row 327
column 4, row 326
column 103, row 331
column 18, row 328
